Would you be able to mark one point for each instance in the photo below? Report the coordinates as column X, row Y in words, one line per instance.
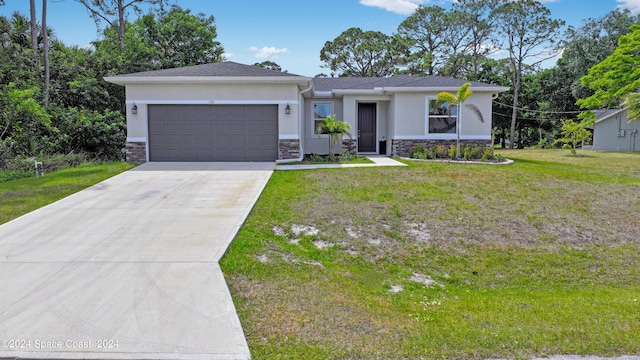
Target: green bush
column 99, row 135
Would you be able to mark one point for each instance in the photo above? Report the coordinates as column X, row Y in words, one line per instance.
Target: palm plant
column 461, row 96
column 336, row 129
column 632, row 103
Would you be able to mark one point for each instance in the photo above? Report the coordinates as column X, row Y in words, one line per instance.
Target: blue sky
column 291, row 32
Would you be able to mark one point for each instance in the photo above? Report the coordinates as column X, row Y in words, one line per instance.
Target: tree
column 270, row 65
column 590, row 44
column 422, row 34
column 34, row 32
column 16, row 58
column 573, row 133
column 476, row 15
column 106, row 10
column 336, row 129
column 20, row 117
column 461, row 96
column 45, row 51
column 158, row 41
column 616, row 76
column 362, row 53
column 530, row 35
column 632, row 103
column 178, row 38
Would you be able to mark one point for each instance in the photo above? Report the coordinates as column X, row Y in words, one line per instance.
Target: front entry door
column 367, row 128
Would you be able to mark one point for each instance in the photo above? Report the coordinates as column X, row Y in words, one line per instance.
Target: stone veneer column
column 350, row 145
column 136, row 152
column 288, row 149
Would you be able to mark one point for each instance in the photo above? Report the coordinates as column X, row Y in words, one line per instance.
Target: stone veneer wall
column 136, row 152
column 403, row 147
column 350, row 145
column 288, row 149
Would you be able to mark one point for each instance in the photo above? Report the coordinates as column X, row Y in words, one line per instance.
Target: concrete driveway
column 128, row 269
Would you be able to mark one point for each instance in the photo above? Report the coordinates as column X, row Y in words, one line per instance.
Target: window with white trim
column 442, row 117
column 320, row 112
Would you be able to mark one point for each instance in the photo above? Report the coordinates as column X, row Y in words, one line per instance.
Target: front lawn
column 18, row 197
column 441, row 260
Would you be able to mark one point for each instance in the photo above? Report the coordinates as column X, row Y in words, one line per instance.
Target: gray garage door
column 213, row 132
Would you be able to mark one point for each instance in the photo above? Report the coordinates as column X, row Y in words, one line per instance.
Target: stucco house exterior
column 234, row 112
column 612, row 131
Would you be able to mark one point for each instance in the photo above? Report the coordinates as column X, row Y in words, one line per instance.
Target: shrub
column 452, row 152
column 468, row 152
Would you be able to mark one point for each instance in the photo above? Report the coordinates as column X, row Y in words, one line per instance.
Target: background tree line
column 53, row 99
column 499, row 42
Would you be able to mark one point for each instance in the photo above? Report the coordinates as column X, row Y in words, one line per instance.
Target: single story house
column 612, row 131
column 234, row 112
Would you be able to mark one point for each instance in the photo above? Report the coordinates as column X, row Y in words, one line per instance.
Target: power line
column 538, row 111
column 522, row 118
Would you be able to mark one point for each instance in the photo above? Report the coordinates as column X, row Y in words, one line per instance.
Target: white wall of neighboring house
column 615, row 133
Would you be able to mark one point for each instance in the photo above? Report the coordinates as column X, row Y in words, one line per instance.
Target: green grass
column 324, row 161
column 533, row 259
column 18, row 197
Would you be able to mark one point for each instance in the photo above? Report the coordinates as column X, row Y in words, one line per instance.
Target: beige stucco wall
column 410, row 117
column 318, row 144
column 144, row 94
column 212, row 92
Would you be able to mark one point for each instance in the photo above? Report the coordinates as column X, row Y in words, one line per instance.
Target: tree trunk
column 34, row 33
column 514, row 113
column 45, row 49
column 121, row 24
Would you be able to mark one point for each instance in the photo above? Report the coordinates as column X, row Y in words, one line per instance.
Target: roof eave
column 126, row 80
column 609, row 116
column 489, row 89
column 358, row 91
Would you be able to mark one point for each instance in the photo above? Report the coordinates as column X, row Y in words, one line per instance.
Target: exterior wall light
column 134, row 109
column 287, row 110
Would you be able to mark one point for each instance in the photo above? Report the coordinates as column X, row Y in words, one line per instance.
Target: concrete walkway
column 127, row 269
column 378, row 160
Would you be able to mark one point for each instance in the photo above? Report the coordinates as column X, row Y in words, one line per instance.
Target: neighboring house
column 612, row 131
column 234, row 112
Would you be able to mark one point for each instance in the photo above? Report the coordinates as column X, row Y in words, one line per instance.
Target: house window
column 442, row 117
column 320, row 112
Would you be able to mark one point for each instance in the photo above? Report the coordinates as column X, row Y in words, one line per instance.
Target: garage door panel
column 254, row 141
column 221, row 126
column 171, row 140
column 204, row 126
column 238, row 127
column 204, row 140
column 213, row 132
column 171, row 127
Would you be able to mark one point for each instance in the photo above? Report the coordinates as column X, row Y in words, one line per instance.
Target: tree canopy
column 616, row 76
column 362, row 53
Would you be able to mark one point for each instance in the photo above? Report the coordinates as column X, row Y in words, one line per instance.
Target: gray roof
column 604, row 113
column 230, row 69
column 227, row 68
column 364, row 83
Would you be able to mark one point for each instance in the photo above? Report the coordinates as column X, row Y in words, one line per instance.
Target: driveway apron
column 128, row 269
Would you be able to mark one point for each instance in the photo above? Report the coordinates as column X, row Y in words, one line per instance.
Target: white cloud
column 402, row 7
column 268, row 52
column 228, row 56
column 632, row 5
